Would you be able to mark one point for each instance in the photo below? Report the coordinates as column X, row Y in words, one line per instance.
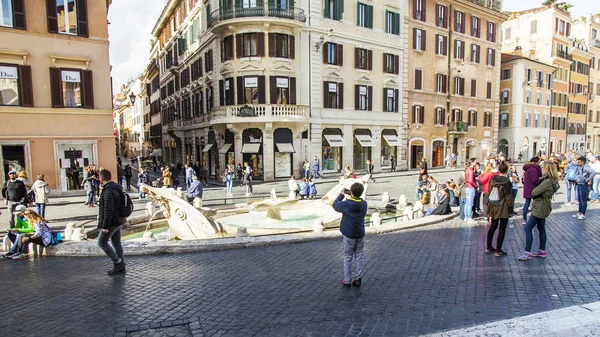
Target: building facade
column 525, row 104
column 270, row 85
column 55, row 73
column 128, row 104
column 453, row 80
column 578, row 96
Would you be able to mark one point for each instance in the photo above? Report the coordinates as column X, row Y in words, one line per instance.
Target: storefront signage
column 70, row 76
column 250, row 82
column 282, row 83
column 332, row 87
column 9, row 72
column 365, row 140
column 335, row 140
column 390, row 93
column 362, row 90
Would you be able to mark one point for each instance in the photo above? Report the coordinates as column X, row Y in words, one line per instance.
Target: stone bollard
column 6, row 244
column 402, row 202
column 197, row 202
column 242, row 232
column 408, row 211
column 385, row 197
column 292, row 195
column 148, row 236
column 179, row 192
column 69, row 230
column 376, row 219
column 318, row 226
column 418, row 209
column 78, row 234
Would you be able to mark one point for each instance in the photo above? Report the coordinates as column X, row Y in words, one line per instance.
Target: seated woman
column 14, row 234
column 312, row 189
column 443, row 207
column 42, row 235
column 293, row 185
column 303, row 189
column 451, row 187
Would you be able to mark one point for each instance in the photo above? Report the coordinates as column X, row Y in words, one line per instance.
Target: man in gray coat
column 585, row 174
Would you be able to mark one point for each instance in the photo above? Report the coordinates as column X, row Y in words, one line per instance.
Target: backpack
column 125, row 205
column 572, row 174
column 494, row 197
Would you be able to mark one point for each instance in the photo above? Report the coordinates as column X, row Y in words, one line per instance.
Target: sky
column 131, row 23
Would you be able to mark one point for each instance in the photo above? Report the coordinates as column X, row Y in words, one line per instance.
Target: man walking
column 316, row 166
column 14, row 193
column 120, row 174
column 470, row 187
column 585, row 175
column 110, row 223
column 248, row 178
column 393, row 162
column 189, row 173
column 422, row 173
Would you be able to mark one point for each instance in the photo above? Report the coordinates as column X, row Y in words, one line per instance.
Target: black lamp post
column 132, row 98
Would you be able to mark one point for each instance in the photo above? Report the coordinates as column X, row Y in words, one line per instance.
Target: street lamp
column 132, row 98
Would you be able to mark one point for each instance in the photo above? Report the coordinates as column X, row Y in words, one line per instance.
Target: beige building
column 578, row 97
column 55, row 99
column 266, row 84
column 453, row 79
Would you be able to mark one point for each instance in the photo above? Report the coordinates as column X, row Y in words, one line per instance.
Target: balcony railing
column 457, row 127
column 262, row 111
column 563, row 54
column 491, row 4
column 233, row 12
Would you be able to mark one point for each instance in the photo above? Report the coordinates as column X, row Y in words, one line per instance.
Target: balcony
column 273, row 11
column 563, row 54
column 495, row 5
column 457, row 128
column 259, row 113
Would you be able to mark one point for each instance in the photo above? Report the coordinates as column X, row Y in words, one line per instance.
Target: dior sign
column 70, row 76
column 9, row 72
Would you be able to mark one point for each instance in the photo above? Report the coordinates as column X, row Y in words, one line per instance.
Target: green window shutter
column 369, row 19
column 339, row 10
column 396, row 24
column 326, row 9
column 387, row 24
column 357, row 13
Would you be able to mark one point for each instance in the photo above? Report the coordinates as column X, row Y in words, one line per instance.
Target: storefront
column 437, row 153
column 417, row 151
column 73, row 157
column 252, row 151
column 15, row 156
column 389, row 146
column 363, row 142
column 209, row 155
column 284, row 153
column 331, row 144
column 228, row 149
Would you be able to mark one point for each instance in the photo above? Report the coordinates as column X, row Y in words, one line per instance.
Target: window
column 487, row 119
column 391, row 64
column 71, row 88
column 440, row 116
column 533, row 27
column 12, row 13
column 488, row 91
column 473, row 88
column 418, row 79
column 550, row 81
column 540, row 79
column 333, row 54
column 441, row 83
column 527, row 119
column 15, row 85
column 419, row 39
column 456, row 115
column 334, row 95
column 504, row 99
column 475, row 26
column 250, row 44
column 491, row 57
column 227, row 48
column 475, row 53
column 282, row 45
column 491, row 33
column 364, row 15
column 504, row 120
column 528, row 96
column 507, row 34
column 363, row 97
column 334, row 9
column 442, row 16
column 208, row 61
column 283, row 90
column 546, row 117
column 441, row 45
column 528, row 75
column 418, row 114
column 226, row 92
column 459, row 86
column 392, row 23
column 419, row 10
column 505, row 75
column 209, row 99
column 70, row 18
column 472, row 118
column 390, row 100
column 536, row 121
column 363, row 59
column 459, row 22
column 548, row 99
column 251, row 90
column 459, row 49
column 538, row 99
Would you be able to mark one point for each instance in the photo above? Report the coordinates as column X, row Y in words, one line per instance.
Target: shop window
column 15, row 85
column 71, row 88
column 283, row 90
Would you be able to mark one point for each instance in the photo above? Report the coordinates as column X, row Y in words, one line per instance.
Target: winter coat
column 470, row 181
column 110, row 200
column 41, row 190
column 531, row 178
column 443, row 206
column 166, row 177
column 353, row 212
column 585, row 174
column 506, row 207
column 542, row 198
column 485, row 178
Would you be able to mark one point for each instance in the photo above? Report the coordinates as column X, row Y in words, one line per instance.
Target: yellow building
column 55, row 99
column 577, row 109
column 453, row 80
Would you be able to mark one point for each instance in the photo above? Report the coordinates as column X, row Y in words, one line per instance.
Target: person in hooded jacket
column 110, row 223
column 500, row 211
column 540, row 210
column 41, row 190
column 585, row 175
column 531, row 178
column 571, row 179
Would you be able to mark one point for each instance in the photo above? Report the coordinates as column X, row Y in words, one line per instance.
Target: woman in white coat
column 41, row 191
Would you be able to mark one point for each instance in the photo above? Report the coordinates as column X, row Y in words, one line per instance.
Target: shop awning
column 285, row 148
column 335, row 140
column 207, row 148
column 251, row 148
column 225, row 148
column 365, row 140
column 392, row 140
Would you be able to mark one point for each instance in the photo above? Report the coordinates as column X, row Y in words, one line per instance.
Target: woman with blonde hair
column 541, row 208
column 41, row 190
column 41, row 236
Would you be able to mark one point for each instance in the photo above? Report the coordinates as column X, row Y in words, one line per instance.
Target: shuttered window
column 390, row 99
column 441, row 44
column 418, row 79
column 391, row 63
column 282, row 45
column 333, row 9
column 71, row 88
column 282, row 90
column 419, row 10
column 15, row 85
column 363, row 97
column 473, row 88
column 73, row 16
column 363, row 59
column 227, row 48
column 250, row 44
column 333, row 95
column 333, row 54
column 251, row 90
column 364, row 15
column 419, row 39
column 392, row 23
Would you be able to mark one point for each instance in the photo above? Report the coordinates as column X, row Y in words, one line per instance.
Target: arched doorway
column 503, row 147
column 331, row 145
column 362, row 148
column 486, row 148
column 437, row 153
column 417, row 152
column 470, row 150
column 284, row 152
column 252, row 150
column 228, row 149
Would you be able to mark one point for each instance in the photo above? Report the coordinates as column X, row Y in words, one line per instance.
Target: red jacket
column 485, row 178
column 470, row 181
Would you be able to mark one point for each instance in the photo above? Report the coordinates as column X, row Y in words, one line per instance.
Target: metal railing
column 563, row 54
column 233, row 12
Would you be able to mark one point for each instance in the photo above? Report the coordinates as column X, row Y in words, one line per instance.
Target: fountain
column 273, row 206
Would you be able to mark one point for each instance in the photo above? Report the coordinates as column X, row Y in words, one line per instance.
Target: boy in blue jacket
column 352, row 226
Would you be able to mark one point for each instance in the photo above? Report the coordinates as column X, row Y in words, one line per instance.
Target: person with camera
column 14, row 193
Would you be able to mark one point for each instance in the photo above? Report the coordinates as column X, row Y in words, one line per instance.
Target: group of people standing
column 244, row 174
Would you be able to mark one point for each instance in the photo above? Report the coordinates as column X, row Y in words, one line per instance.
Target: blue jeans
column 91, row 198
column 353, row 248
column 515, row 192
column 116, row 251
column 582, row 193
column 541, row 226
column 596, row 188
column 569, row 187
column 461, row 205
column 526, row 208
column 188, row 182
column 229, row 184
column 316, row 173
column 41, row 209
column 306, row 174
column 469, row 203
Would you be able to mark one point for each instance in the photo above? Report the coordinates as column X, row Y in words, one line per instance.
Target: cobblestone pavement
column 417, row 281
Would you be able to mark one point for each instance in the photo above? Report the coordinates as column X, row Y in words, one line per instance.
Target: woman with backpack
column 540, row 210
column 500, row 208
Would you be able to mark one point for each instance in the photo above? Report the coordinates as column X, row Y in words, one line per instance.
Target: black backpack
column 125, row 205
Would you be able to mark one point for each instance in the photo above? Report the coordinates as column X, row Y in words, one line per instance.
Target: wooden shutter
column 424, row 39
column 292, row 43
column 414, row 114
column 261, row 89
column 273, row 89
column 356, row 57
column 325, row 95
column 493, row 57
column 385, row 70
column 340, row 53
column 556, row 24
column 444, row 83
column 56, row 88
column 462, row 50
column 326, row 10
column 437, row 15
column 221, row 94
column 87, row 82
column 445, row 16
column 415, row 9
column 339, row 10
column 477, row 52
column 271, row 44
column 230, row 99
column 369, row 17
column 418, row 79
column 423, row 17
column 455, row 20
column 325, row 52
column 82, row 18
column 568, row 31
column 340, row 88
column 489, row 90
column 396, row 64
column 356, row 96
column 396, row 99
column 25, row 86
column 385, row 91
column 370, row 60
column 51, row 17
column 462, row 86
column 415, row 38
column 292, row 90
column 240, row 90
column 18, row 7
column 260, row 45
column 445, row 45
column 370, row 98
column 473, row 87
column 238, row 46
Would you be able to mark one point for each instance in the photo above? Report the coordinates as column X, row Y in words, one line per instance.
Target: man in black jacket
column 110, row 223
column 14, row 194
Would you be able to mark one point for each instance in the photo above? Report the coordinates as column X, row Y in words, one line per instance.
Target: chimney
column 518, row 51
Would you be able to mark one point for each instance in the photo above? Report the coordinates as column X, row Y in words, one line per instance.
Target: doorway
column 437, row 154
column 13, row 158
column 416, row 153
